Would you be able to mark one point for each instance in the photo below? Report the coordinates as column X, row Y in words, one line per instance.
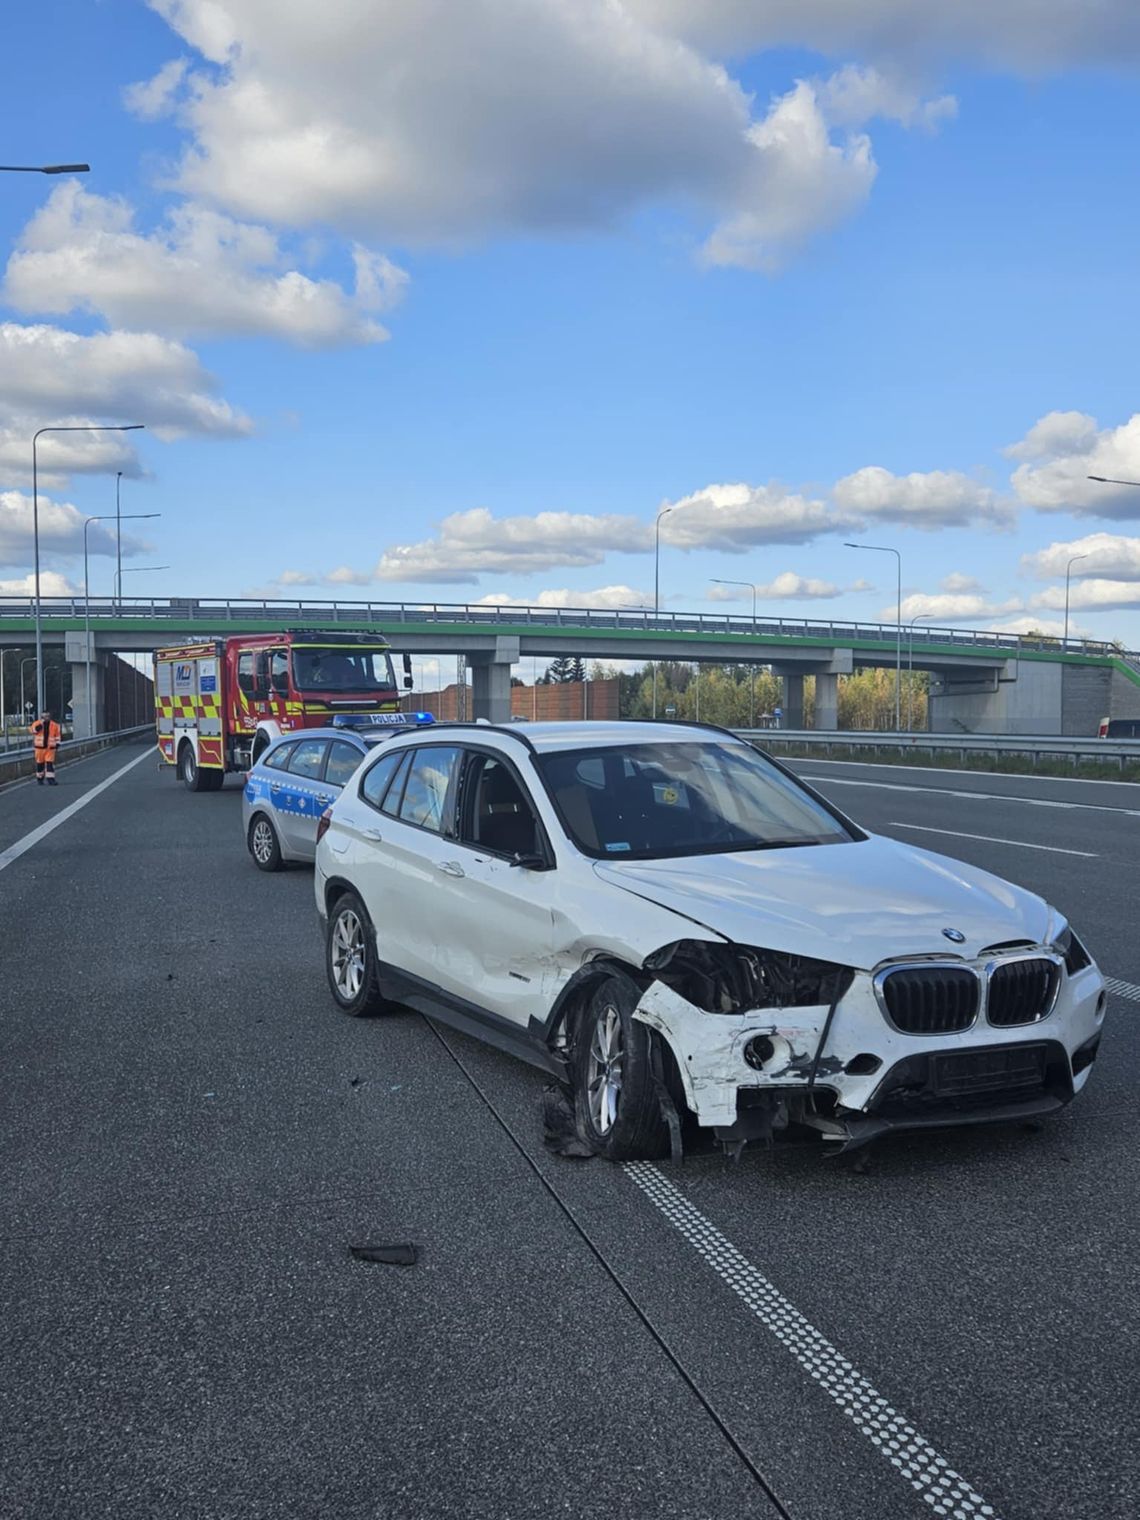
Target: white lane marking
column 943, row 791
column 913, row 1457
column 22, row 846
column 958, row 770
column 1022, row 844
column 1122, row 989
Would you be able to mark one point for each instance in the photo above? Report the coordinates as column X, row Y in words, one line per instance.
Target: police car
column 300, row 774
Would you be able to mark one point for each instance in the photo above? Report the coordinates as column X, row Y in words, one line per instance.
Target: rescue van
column 221, row 702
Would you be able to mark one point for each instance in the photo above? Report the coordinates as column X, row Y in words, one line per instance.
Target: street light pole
column 133, row 570
column 1068, row 572
column 121, row 427
column 105, row 517
column 118, row 536
column 657, row 587
column 27, row 660
column 752, row 668
column 45, row 168
column 917, row 618
column 886, row 549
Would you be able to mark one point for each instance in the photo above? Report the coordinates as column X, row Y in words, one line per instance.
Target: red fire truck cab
column 220, row 702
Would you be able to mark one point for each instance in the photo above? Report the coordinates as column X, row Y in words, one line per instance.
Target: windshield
column 642, row 801
column 331, row 668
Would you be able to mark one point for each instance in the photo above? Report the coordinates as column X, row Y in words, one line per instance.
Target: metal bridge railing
column 214, row 615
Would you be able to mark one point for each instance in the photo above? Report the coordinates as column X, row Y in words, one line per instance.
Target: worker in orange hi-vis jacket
column 46, row 736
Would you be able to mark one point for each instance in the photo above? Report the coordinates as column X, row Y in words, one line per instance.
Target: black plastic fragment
column 403, row 1254
column 560, row 1132
column 665, row 1103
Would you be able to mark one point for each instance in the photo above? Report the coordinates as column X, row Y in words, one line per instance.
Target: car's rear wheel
column 350, row 958
column 615, row 1096
column 264, row 845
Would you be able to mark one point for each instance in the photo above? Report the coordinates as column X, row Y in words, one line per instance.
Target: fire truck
column 220, row 702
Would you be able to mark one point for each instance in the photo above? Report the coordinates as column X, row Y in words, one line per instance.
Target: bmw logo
column 955, row 936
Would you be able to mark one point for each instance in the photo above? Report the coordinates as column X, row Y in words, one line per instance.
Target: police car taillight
column 323, row 824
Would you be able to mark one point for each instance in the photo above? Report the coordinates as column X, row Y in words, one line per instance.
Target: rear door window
column 377, row 779
column 343, row 760
column 308, row 759
column 278, row 759
column 426, row 792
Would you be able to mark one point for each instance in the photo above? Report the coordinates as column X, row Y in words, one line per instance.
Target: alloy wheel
column 348, row 955
column 603, row 1070
column 262, row 842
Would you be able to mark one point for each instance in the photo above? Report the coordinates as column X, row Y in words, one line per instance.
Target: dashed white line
column 1022, row 844
column 1121, row 989
column 911, row 1454
column 945, row 791
column 22, row 846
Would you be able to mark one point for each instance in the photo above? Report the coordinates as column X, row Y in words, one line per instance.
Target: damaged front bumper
column 846, row 1072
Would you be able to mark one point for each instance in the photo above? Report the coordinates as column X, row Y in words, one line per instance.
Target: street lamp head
column 66, row 169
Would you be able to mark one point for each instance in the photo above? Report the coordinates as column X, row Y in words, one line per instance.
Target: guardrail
column 22, row 762
column 1035, row 747
column 214, row 614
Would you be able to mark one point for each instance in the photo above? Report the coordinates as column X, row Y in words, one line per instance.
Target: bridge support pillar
column 491, row 680
column 793, row 701
column 826, row 700
column 85, row 723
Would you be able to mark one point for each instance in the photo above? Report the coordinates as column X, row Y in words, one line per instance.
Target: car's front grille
column 930, row 999
column 1021, row 992
column 962, row 1081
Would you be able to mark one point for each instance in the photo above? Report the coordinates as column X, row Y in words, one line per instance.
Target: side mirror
column 408, row 683
column 534, row 862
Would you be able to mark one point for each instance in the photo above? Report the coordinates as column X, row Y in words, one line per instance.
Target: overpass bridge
column 981, row 681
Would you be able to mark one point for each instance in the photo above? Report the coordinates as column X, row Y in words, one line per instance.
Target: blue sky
column 447, row 307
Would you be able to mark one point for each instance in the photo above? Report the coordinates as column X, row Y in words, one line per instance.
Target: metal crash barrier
column 17, row 763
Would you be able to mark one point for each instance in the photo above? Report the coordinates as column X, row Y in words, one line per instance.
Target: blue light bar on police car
column 382, row 720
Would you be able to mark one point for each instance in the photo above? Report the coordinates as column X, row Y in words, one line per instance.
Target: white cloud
column 1028, row 36
column 956, row 581
column 201, row 274
column 1029, row 622
column 1106, row 554
column 46, row 372
column 1062, row 450
column 799, row 182
column 442, row 121
column 61, row 530
column 930, row 500
column 950, row 607
column 787, row 586
column 735, row 518
column 51, row 584
column 605, row 598
column 857, row 95
column 474, row 543
column 1058, row 434
column 1091, row 595
column 154, row 97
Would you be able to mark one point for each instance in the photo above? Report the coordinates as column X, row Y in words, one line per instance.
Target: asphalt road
column 191, row 1138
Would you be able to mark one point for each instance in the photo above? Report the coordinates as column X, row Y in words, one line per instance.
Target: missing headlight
column 1074, row 954
column 734, row 978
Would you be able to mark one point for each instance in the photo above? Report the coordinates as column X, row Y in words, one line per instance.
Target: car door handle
column 451, row 868
column 373, row 834
column 275, row 786
column 324, row 799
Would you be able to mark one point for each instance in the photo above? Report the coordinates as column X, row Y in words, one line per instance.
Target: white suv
column 666, row 919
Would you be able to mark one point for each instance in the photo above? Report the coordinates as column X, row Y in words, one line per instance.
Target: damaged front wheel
column 615, row 1097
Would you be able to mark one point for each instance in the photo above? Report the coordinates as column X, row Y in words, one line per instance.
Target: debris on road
column 560, row 1132
column 403, row 1254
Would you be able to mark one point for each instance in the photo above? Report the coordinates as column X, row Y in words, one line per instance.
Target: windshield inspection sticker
column 617, row 847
